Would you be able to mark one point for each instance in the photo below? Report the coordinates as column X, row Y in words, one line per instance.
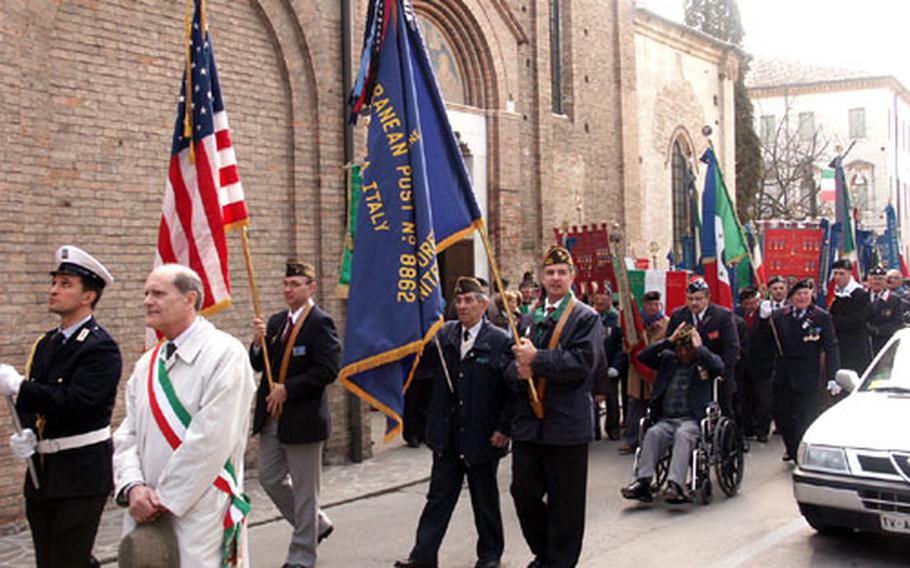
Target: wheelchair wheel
column 704, row 493
column 729, row 464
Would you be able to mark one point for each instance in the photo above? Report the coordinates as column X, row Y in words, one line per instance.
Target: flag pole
column 17, row 425
column 257, row 306
column 707, row 133
column 536, row 404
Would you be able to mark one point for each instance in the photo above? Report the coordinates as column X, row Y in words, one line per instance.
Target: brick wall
column 88, row 100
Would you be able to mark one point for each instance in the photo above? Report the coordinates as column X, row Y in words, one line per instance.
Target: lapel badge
column 82, row 335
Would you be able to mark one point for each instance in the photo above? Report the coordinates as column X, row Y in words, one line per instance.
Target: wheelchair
column 719, row 447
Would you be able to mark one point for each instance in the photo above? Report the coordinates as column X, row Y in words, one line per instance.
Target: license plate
column 893, row 522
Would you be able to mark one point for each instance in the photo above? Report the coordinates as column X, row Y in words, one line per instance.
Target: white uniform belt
column 54, row 445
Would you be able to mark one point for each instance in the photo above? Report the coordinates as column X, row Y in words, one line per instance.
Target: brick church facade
column 542, row 94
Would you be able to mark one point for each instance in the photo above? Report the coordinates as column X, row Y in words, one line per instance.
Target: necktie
column 169, row 348
column 466, row 336
column 550, row 310
column 287, row 329
column 56, row 343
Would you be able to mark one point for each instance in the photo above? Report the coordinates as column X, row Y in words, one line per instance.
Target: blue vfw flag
column 408, row 211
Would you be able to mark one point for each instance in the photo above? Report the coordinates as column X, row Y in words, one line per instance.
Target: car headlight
column 823, row 458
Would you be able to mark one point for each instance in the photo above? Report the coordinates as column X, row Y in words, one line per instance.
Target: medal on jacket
column 703, row 373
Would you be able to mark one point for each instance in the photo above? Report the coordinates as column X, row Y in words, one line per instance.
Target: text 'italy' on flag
column 408, row 211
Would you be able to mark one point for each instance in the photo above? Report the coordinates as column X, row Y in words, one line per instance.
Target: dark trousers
column 553, row 528
column 756, row 405
column 63, row 530
column 794, row 411
column 446, row 478
column 613, row 396
column 415, row 404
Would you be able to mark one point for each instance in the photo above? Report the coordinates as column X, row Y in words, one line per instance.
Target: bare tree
column 790, row 158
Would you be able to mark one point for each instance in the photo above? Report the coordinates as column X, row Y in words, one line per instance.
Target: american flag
column 204, row 197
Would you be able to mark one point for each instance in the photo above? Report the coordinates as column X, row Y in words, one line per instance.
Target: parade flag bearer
column 65, row 402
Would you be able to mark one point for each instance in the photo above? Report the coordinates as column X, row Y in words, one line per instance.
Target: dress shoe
column 762, row 438
column 326, row 533
column 625, row 449
column 411, row 563
column 674, row 494
column 537, row 563
column 613, row 435
column 786, row 457
column 286, row 565
column 640, row 490
column 487, row 564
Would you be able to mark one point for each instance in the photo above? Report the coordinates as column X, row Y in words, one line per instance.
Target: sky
column 868, row 35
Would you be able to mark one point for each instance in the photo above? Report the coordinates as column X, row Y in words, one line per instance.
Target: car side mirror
column 847, row 379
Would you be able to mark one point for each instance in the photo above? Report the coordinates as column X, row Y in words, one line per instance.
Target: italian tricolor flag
column 828, row 185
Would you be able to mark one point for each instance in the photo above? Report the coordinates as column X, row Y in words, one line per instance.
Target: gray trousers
column 683, row 434
column 290, row 475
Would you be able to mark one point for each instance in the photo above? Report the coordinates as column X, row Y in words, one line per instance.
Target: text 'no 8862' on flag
column 406, row 206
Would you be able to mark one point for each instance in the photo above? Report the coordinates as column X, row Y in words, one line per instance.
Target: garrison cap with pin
column 558, row 255
column 805, row 283
column 297, row 267
column 697, row 285
column 878, row 270
column 467, row 285
column 775, row 279
column 73, row 260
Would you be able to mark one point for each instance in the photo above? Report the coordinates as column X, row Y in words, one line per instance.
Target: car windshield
column 891, row 370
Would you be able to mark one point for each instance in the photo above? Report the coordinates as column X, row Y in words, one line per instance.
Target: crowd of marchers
column 530, row 372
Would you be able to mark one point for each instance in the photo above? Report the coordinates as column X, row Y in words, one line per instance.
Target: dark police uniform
column 460, row 424
column 70, row 391
column 550, row 456
column 886, row 316
column 798, row 385
column 757, row 366
column 850, row 314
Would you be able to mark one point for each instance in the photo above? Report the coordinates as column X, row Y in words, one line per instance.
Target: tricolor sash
column 173, row 420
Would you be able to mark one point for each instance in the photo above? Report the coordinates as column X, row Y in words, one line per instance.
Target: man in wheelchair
column 682, row 391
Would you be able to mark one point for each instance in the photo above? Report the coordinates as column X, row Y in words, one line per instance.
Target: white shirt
column 555, row 305
column 467, row 344
column 697, row 318
column 69, row 331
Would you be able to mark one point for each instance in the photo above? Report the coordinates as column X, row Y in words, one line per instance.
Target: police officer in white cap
column 64, row 402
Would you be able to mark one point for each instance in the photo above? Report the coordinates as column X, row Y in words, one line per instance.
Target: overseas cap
column 558, row 255
column 299, row 268
column 75, row 261
column 805, row 283
column 697, row 285
column 467, row 285
column 877, row 270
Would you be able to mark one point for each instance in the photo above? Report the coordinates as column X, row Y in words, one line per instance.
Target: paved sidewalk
column 392, row 467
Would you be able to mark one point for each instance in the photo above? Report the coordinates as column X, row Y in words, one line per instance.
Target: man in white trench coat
column 178, row 455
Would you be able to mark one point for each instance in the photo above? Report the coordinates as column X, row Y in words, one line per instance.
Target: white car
column 853, row 465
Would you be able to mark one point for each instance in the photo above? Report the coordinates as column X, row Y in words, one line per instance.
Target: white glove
column 24, row 444
column 612, row 373
column 10, row 380
column 834, row 388
column 764, row 309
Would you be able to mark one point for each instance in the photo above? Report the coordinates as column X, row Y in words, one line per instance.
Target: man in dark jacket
column 66, row 398
column 292, row 414
column 562, row 353
column 805, row 331
column 754, row 369
column 608, row 387
column 886, row 311
column 718, row 333
column 850, row 313
column 468, row 427
column 684, row 387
